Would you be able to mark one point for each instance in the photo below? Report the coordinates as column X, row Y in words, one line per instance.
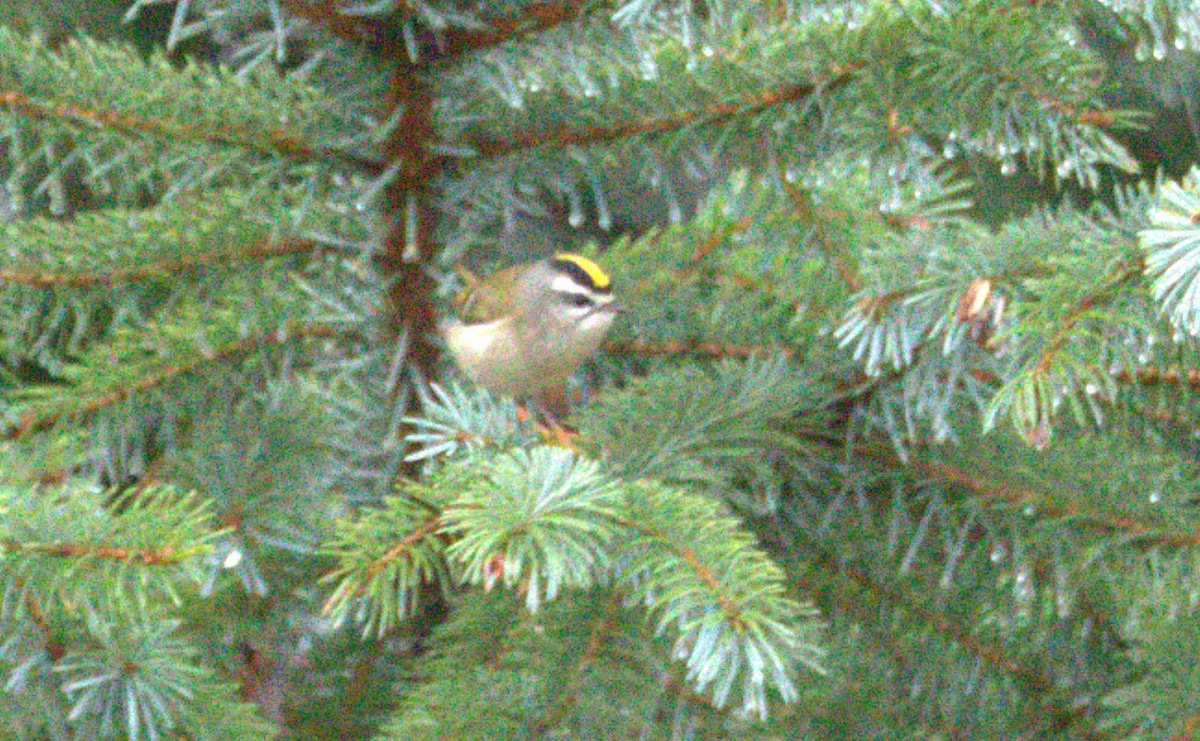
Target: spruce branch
column 745, row 295
column 693, row 427
column 1030, row 73
column 154, row 546
column 713, row 114
column 722, row 596
column 265, row 250
column 65, row 283
column 149, row 557
column 101, row 248
column 601, row 633
column 807, row 210
column 694, row 348
column 830, row 546
column 1059, row 339
column 140, row 676
column 430, row 526
column 112, row 245
column 1171, row 242
column 456, row 419
column 219, row 341
column 1133, row 526
column 93, row 88
column 541, row 519
column 498, row 667
column 951, row 630
column 1063, row 365
column 45, row 410
column 286, row 144
column 384, row 556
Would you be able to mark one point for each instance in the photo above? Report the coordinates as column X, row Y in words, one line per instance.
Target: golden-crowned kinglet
column 529, row 327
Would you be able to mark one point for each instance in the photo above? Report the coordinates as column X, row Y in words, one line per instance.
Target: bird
column 525, row 330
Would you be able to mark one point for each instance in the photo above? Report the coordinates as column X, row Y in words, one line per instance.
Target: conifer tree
column 895, row 438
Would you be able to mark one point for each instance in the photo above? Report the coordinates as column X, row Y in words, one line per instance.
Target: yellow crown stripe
column 594, row 271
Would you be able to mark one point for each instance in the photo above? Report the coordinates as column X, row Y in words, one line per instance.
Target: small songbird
column 527, row 328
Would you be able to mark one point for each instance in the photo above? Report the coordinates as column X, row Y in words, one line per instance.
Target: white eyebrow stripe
column 596, row 299
column 567, row 284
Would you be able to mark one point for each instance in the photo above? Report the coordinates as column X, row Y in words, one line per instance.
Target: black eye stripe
column 576, row 299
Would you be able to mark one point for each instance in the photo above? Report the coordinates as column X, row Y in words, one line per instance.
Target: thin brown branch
column 263, row 250
column 701, row 569
column 710, row 243
column 54, row 647
column 225, row 354
column 807, row 210
column 714, row 114
column 1101, row 119
column 1063, row 334
column 992, row 655
column 164, row 129
column 403, row 546
column 149, row 557
column 728, row 606
column 1151, row 376
column 569, row 696
column 678, row 686
column 669, row 348
column 1018, row 494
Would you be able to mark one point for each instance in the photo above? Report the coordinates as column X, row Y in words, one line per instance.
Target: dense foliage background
column 897, row 437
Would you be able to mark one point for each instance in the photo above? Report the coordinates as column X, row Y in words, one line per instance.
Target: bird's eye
column 578, row 299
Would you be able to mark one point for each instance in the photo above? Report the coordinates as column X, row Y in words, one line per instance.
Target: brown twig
column 804, row 206
column 714, row 114
column 992, row 655
column 149, row 557
column 162, row 128
column 720, row 592
column 1018, row 494
column 54, row 647
column 263, row 250
column 1151, row 376
column 403, row 546
column 601, row 631
column 224, row 354
column 643, row 348
column 1089, row 302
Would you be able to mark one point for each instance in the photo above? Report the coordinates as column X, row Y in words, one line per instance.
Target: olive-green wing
column 485, row 300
